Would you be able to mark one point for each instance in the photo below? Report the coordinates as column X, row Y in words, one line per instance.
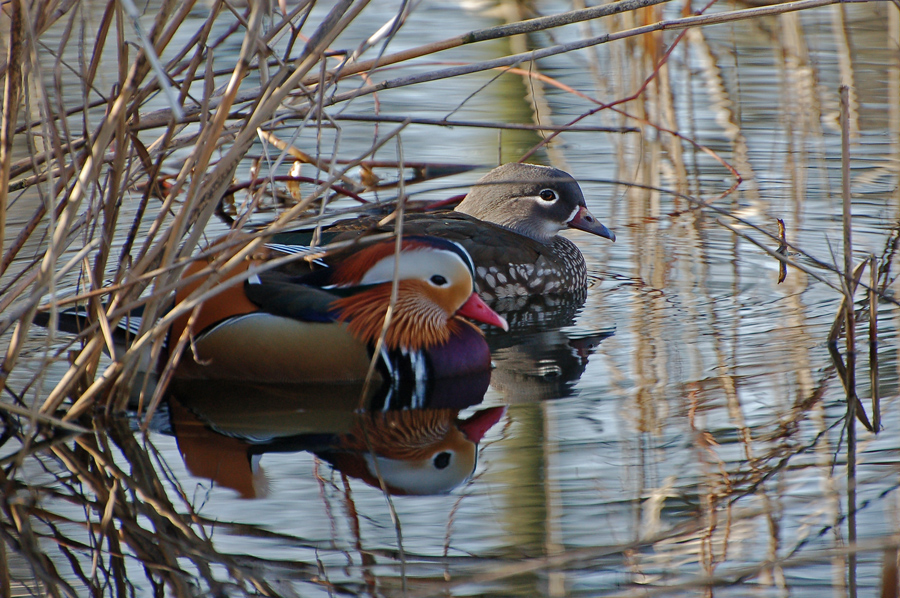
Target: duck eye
column 438, row 280
column 548, row 195
column 441, row 460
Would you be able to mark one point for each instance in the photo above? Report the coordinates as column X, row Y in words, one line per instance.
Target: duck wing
column 281, row 295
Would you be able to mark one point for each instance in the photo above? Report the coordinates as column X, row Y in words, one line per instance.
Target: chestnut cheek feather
column 417, row 322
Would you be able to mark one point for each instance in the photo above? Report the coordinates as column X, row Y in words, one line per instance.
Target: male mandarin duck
column 324, row 325
column 509, row 223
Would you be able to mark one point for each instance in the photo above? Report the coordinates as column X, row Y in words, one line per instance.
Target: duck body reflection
column 415, row 443
column 542, row 356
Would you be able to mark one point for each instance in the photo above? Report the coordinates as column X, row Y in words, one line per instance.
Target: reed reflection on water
column 683, row 430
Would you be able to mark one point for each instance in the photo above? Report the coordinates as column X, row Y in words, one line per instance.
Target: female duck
column 509, row 223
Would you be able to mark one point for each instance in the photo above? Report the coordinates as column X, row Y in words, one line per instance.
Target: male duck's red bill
column 323, row 327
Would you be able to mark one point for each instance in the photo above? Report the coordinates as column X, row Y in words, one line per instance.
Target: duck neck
column 532, row 227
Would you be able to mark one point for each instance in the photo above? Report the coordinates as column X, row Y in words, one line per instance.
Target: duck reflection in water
column 540, row 358
column 418, row 445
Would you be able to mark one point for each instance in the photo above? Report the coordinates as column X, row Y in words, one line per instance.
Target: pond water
column 681, row 433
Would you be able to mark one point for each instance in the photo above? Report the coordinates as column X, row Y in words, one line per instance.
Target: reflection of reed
column 693, row 245
column 890, row 564
column 128, row 510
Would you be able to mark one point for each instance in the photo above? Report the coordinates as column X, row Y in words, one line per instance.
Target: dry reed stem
column 88, row 176
column 507, row 61
column 846, row 312
column 188, row 215
column 778, row 253
column 43, row 418
column 538, row 24
column 11, row 95
column 282, row 84
column 147, row 545
column 450, row 122
column 199, row 204
column 640, row 91
column 492, row 33
column 301, row 155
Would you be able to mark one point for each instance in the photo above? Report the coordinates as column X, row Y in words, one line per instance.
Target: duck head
column 535, row 201
column 415, row 451
column 435, row 287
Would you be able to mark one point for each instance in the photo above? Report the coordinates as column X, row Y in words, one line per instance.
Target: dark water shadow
column 539, row 358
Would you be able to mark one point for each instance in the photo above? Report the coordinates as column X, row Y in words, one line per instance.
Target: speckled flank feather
column 564, row 272
column 415, row 323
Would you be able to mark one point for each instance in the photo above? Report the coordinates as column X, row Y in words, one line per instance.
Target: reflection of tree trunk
column 553, row 541
column 551, row 508
column 845, row 63
column 515, row 11
column 520, row 472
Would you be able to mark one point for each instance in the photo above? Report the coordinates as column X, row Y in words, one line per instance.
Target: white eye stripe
column 415, row 264
column 462, row 253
